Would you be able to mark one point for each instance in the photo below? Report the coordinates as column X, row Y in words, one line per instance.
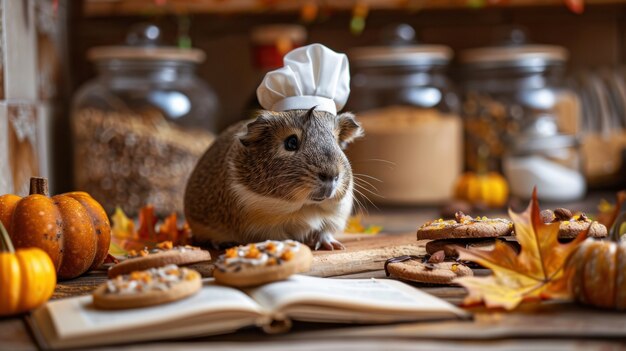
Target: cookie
column 465, row 227
column 147, row 288
column 571, row 225
column 412, row 268
column 449, row 246
column 165, row 253
column 570, row 229
column 264, row 262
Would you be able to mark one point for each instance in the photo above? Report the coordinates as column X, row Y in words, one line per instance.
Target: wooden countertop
column 539, row 326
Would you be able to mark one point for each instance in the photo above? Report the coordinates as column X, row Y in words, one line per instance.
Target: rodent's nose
column 328, row 178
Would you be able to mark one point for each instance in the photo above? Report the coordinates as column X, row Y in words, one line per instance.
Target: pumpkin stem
column 5, row 241
column 39, row 186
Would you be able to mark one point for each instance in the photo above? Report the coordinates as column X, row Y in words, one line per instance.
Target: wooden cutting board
column 364, row 253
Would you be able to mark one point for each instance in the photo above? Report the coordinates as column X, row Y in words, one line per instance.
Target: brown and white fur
column 251, row 186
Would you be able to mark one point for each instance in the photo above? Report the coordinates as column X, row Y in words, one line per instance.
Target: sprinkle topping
column 266, row 253
column 153, row 279
column 160, row 247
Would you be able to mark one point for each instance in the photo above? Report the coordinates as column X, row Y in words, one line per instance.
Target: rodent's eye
column 291, row 143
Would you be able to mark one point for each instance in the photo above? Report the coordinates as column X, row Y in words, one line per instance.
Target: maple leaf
column 355, row 226
column 147, row 223
column 533, row 274
column 124, row 237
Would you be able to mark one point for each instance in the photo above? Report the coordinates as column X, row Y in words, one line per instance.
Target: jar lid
column 515, row 55
column 163, row 53
column 414, row 55
column 542, row 143
column 271, row 34
column 143, row 43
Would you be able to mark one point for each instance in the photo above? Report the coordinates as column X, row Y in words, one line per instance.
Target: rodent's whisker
column 366, row 198
column 367, row 175
column 366, row 182
column 390, row 165
column 368, row 190
column 361, row 209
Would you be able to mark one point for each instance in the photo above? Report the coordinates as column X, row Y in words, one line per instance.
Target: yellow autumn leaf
column 535, row 273
column 123, row 227
column 355, row 226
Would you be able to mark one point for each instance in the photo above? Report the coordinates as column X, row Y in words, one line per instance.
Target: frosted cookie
column 165, row 253
column 465, row 227
column 413, row 268
column 263, row 262
column 572, row 225
column 147, row 288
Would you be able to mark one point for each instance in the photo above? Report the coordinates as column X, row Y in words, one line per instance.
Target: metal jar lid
column 142, row 43
column 515, row 56
column 401, row 56
column 399, row 48
column 514, row 50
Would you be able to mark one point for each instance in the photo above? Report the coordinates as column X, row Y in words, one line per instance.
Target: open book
column 216, row 309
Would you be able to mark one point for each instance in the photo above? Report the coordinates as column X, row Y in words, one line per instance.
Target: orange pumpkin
column 72, row 228
column 490, row 189
column 27, row 277
column 597, row 271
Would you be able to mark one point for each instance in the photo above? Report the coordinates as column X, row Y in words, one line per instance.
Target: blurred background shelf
column 96, row 8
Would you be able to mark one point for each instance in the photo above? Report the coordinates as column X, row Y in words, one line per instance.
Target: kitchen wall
column 594, row 38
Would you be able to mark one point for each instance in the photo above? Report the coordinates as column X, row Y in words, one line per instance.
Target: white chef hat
column 312, row 75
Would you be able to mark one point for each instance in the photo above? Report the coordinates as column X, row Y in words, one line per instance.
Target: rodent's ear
column 349, row 129
column 255, row 129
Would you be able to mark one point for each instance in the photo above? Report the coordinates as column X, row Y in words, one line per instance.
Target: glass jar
column 141, row 124
column 518, row 108
column 510, row 87
column 552, row 163
column 412, row 149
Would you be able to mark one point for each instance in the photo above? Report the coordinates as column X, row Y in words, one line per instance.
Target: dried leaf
column 123, row 227
column 147, row 223
column 535, row 273
column 168, row 231
column 355, row 226
column 124, row 238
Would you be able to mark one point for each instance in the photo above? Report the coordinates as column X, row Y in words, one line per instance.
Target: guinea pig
column 283, row 175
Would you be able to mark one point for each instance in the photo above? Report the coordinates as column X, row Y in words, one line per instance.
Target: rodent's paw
column 326, row 241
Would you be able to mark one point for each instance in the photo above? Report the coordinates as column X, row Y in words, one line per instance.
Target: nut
column 562, row 214
column 458, row 217
column 547, row 216
column 583, row 217
column 437, row 257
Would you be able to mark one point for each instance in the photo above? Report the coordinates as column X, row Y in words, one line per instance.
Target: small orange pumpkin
column 489, row 189
column 27, row 277
column 72, row 228
column 597, row 271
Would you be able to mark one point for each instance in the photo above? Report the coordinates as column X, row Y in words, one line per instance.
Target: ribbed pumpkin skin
column 27, row 280
column 72, row 228
column 597, row 271
column 490, row 189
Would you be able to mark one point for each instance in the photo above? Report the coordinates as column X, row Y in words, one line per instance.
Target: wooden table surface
column 547, row 326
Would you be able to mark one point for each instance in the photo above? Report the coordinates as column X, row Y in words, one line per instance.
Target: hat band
column 305, row 103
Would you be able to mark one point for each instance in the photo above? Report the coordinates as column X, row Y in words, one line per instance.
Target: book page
column 77, row 317
column 362, row 297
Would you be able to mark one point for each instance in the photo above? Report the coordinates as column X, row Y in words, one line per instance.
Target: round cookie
column 147, row 288
column 465, row 227
column 571, row 225
column 264, row 262
column 570, row 229
column 163, row 255
column 449, row 246
column 412, row 268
